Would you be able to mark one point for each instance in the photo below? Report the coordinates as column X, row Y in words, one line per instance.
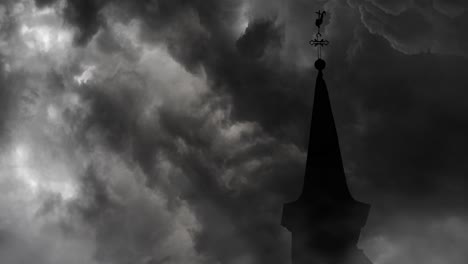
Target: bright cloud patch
column 44, row 38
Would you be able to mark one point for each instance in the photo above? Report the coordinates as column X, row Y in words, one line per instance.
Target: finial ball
column 320, row 64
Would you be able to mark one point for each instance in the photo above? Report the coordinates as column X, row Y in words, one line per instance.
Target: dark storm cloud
column 202, row 165
column 416, row 26
column 231, row 229
column 257, row 37
column 245, row 233
column 127, row 231
column 211, row 44
column 416, row 124
column 84, row 14
column 401, row 117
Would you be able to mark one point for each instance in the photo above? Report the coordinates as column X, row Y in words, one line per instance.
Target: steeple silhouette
column 325, row 221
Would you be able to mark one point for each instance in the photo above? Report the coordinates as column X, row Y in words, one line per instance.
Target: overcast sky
column 173, row 131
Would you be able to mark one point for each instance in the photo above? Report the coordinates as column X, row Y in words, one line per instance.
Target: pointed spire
column 324, row 170
column 325, row 221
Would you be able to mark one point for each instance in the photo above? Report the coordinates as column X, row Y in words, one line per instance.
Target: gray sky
column 173, row 131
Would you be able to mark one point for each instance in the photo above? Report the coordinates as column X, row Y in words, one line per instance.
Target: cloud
column 85, row 16
column 147, row 145
column 182, row 125
column 257, row 37
column 44, row 3
column 413, row 27
column 412, row 239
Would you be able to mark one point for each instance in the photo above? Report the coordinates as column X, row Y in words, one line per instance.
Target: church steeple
column 325, row 221
column 324, row 155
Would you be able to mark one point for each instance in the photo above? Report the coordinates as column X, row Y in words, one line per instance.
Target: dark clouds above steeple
column 184, row 124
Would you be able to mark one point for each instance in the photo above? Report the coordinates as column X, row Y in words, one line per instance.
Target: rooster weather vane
column 318, row 41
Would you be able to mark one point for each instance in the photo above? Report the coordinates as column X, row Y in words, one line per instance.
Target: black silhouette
column 319, row 21
column 325, row 221
column 317, row 41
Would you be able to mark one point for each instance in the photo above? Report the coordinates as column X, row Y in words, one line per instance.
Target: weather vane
column 318, row 41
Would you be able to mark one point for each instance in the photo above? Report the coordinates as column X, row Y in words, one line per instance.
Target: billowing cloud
column 174, row 131
column 418, row 26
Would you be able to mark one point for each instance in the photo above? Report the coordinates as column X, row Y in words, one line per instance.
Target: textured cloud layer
column 173, row 131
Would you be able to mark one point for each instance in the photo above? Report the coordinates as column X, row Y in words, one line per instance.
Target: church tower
column 325, row 221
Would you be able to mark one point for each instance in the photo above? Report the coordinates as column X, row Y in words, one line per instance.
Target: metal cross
column 318, row 41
